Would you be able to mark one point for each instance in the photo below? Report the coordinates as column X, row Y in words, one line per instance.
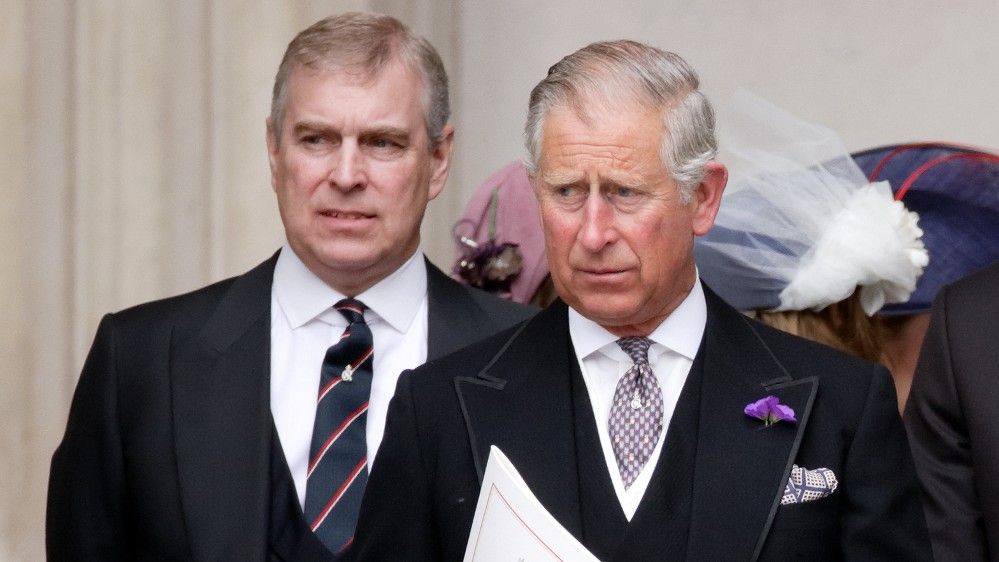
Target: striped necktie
column 338, row 455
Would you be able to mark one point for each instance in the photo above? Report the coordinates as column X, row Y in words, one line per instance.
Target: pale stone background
column 133, row 162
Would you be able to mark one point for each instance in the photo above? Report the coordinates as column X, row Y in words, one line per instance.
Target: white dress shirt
column 603, row 363
column 303, row 326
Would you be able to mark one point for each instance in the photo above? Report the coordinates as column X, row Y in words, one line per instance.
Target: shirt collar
column 680, row 332
column 303, row 296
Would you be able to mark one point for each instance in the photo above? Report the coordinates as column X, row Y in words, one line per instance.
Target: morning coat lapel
column 522, row 403
column 741, row 466
column 222, row 424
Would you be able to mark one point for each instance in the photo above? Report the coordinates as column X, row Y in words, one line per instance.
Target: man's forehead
column 612, row 146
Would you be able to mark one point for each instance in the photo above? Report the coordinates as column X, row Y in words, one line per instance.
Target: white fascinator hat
column 800, row 227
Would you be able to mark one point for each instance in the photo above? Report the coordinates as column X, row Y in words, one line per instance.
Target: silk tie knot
column 637, row 348
column 351, row 309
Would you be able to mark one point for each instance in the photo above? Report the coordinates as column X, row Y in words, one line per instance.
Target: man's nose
column 597, row 230
column 348, row 171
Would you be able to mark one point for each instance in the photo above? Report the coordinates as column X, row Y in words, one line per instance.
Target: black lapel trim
column 735, row 452
column 786, row 473
column 485, row 379
column 522, row 403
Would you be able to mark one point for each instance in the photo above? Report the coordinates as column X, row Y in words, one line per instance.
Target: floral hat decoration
column 800, row 226
column 955, row 190
column 500, row 244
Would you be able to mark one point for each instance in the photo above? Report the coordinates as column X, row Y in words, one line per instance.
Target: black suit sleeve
column 395, row 521
column 85, row 517
column 941, row 447
column 882, row 517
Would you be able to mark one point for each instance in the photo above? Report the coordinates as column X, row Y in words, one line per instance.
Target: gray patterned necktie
column 636, row 418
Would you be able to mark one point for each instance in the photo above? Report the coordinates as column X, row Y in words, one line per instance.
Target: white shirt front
column 603, row 363
column 303, row 326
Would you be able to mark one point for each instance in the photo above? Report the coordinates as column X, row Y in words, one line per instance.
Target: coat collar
column 454, row 319
column 521, row 402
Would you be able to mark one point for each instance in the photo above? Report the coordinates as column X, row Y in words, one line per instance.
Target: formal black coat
column 167, row 452
column 953, row 420
column 513, row 390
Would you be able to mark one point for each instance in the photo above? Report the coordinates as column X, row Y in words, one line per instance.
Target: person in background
column 500, row 245
column 955, row 191
column 803, row 241
column 238, row 422
column 651, row 419
column 953, row 420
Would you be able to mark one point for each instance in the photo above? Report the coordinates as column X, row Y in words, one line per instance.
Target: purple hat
column 501, row 247
column 955, row 191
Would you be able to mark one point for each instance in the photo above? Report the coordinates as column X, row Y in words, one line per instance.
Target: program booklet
column 511, row 525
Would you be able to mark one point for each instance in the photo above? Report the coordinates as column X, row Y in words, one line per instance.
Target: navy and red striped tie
column 338, row 456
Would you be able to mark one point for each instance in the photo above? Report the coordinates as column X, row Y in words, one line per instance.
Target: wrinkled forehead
column 614, row 136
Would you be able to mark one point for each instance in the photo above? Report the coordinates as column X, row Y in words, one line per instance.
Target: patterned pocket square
column 806, row 485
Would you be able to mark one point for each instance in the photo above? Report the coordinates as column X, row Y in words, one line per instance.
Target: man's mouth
column 346, row 215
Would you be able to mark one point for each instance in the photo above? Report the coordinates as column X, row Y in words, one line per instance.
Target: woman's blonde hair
column 842, row 325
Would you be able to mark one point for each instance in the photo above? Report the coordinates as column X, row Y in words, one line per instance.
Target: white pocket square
column 807, row 485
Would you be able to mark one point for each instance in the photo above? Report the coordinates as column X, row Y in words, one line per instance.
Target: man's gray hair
column 367, row 43
column 627, row 71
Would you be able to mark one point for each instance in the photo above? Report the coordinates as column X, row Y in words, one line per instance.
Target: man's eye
column 624, row 192
column 566, row 191
column 380, row 142
column 312, row 139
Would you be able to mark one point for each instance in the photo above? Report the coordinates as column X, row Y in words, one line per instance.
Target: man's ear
column 440, row 162
column 272, row 150
column 708, row 195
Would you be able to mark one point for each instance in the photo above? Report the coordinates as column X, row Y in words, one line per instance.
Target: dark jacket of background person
column 953, row 420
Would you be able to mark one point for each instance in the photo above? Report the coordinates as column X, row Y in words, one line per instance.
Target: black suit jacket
column 167, row 449
column 512, row 390
column 953, row 420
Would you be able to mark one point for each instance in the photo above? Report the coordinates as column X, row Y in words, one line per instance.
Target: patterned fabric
column 338, row 456
column 636, row 417
column 806, row 485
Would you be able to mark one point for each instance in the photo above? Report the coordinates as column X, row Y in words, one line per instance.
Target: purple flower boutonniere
column 770, row 410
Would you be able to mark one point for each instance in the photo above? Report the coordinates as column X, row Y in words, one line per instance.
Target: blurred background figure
column 500, row 246
column 953, row 420
column 955, row 191
column 803, row 241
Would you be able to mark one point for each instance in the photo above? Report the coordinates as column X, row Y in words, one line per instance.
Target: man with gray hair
column 652, row 420
column 238, row 422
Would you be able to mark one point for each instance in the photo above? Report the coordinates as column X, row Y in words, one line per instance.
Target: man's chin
column 606, row 311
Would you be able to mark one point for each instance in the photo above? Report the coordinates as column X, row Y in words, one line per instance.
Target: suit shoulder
column 468, row 360
column 199, row 302
column 194, row 307
column 802, row 355
column 974, row 290
column 504, row 311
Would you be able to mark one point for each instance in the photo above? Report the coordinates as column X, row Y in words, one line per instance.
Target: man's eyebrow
column 311, row 126
column 386, row 131
column 561, row 178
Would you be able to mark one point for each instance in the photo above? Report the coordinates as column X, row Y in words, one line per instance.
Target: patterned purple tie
column 636, row 417
column 338, row 456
